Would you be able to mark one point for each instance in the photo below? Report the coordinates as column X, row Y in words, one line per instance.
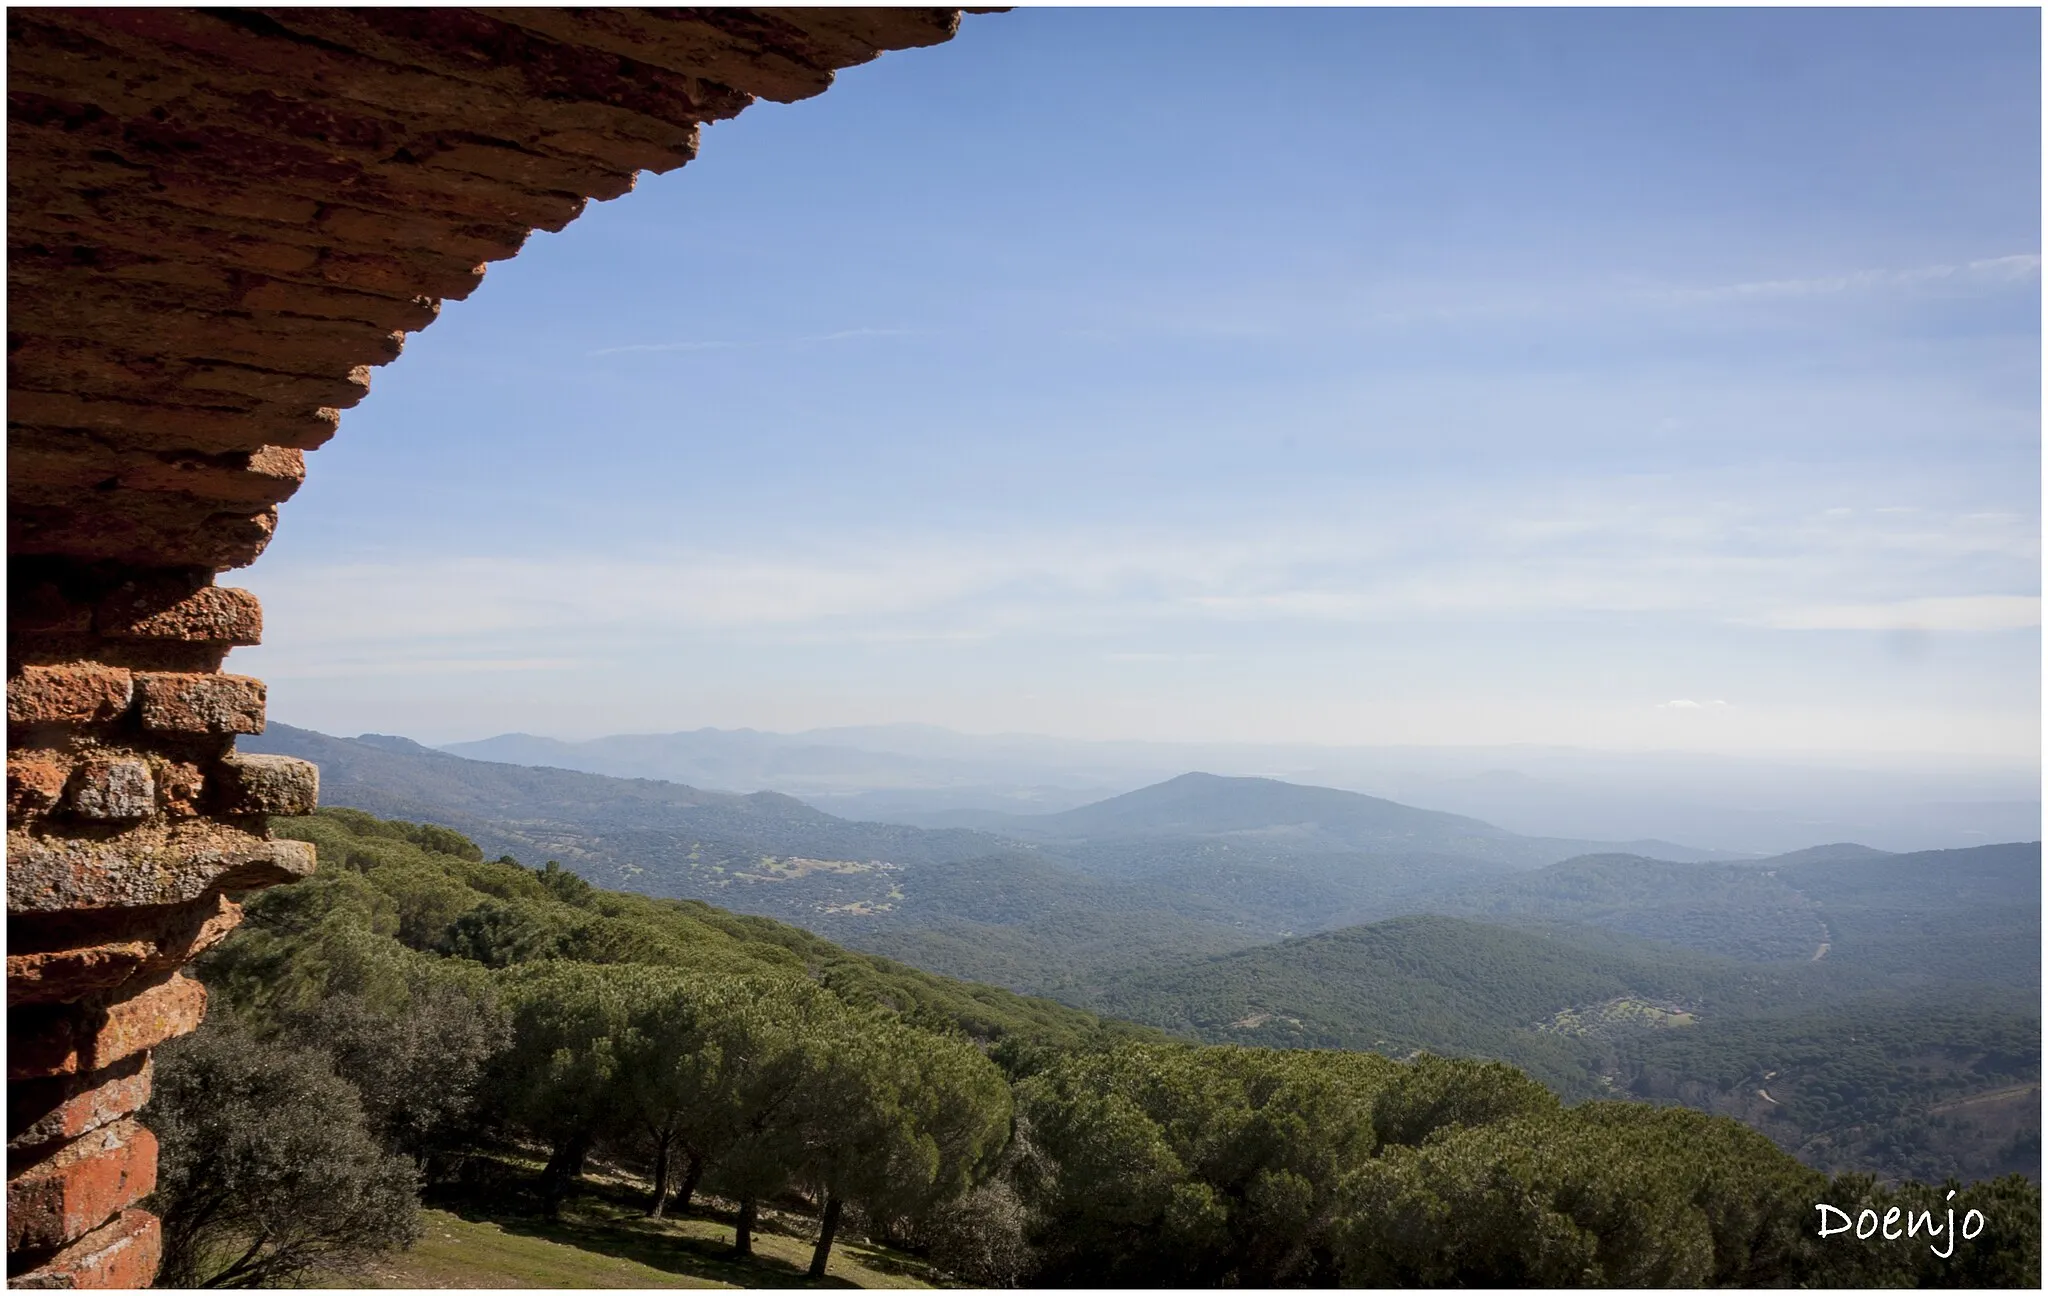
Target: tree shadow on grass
column 596, row 1221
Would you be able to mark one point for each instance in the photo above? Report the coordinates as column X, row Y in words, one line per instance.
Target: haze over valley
column 933, row 777
column 1868, row 1009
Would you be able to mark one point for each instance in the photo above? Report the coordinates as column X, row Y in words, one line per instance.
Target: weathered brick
column 41, row 1112
column 113, row 790
column 34, row 785
column 81, row 693
column 124, row 1253
column 133, row 944
column 209, row 615
column 178, row 786
column 75, row 1042
column 62, row 976
column 259, row 784
column 192, row 930
column 269, row 475
column 159, row 862
column 75, row 1190
column 216, row 704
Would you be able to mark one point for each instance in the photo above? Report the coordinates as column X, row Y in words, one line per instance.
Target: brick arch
column 218, row 223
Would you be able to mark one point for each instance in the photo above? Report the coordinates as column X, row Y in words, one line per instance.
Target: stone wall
column 218, row 222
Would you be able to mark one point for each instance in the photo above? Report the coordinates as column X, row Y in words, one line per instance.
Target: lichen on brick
column 113, row 790
column 264, row 784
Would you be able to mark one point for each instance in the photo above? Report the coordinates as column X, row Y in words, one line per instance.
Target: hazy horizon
column 1837, row 757
column 928, row 776
column 1620, row 379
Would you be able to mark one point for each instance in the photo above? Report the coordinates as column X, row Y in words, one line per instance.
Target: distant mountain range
column 1049, row 906
column 530, row 804
column 933, row 777
column 911, row 768
column 594, row 818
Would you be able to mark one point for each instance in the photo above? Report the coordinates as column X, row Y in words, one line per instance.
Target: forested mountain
column 1142, row 893
column 1818, row 854
column 1746, row 913
column 1071, row 910
column 1423, row 982
column 417, row 1014
column 565, row 812
column 1958, row 915
column 1834, row 1061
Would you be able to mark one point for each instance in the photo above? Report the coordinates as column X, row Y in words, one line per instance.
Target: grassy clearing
column 1618, row 1016
column 456, row 1252
column 602, row 1240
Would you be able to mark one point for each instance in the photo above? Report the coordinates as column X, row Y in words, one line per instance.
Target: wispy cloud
column 1283, row 308
column 841, row 335
column 1991, row 273
column 1620, row 547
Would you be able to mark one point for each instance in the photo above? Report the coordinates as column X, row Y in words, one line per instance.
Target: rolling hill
column 1423, row 982
column 1842, row 1066
column 524, row 809
column 872, row 885
column 1291, row 816
column 1253, row 859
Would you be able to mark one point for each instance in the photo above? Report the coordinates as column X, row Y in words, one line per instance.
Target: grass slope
column 600, row 1243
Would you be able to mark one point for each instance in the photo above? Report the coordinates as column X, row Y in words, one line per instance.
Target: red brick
column 75, row 694
column 74, row 1191
column 123, row 1254
column 145, row 944
column 34, row 785
column 269, row 475
column 209, row 615
column 216, row 704
column 64, row 976
column 77, row 1042
column 40, row 1112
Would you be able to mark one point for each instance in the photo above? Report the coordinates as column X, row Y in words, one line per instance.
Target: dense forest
column 416, row 1019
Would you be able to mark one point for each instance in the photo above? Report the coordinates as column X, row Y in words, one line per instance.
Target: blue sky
column 1614, row 378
